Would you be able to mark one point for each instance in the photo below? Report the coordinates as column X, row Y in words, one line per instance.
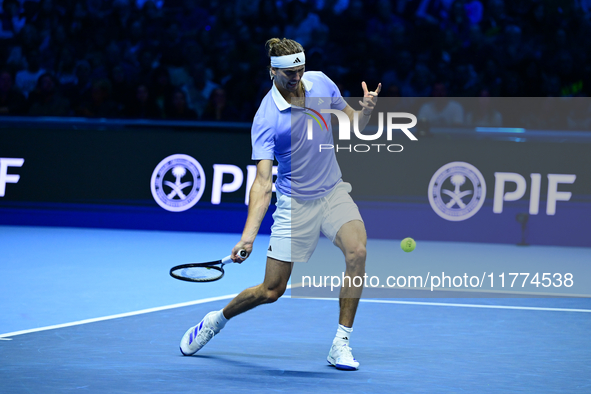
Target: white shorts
column 298, row 223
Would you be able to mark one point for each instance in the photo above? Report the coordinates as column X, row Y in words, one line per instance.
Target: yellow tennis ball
column 408, row 244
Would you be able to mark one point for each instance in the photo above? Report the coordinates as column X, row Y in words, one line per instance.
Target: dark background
column 195, row 59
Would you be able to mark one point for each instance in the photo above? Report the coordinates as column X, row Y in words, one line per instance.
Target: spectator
column 51, row 50
column 65, row 68
column 269, row 20
column 147, row 63
column 304, row 24
column 380, row 28
column 579, row 115
column 401, row 73
column 547, row 113
column 16, row 60
column 141, row 105
column 133, row 42
column 354, row 15
column 484, row 114
column 11, row 20
column 154, row 22
column 121, row 88
column 12, row 102
column 29, row 38
column 200, row 89
column 457, row 21
column 161, row 88
column 80, row 91
column 45, row 100
column 465, row 81
column 177, row 108
column 514, row 48
column 121, row 15
column 100, row 104
column 494, row 18
column 26, row 80
column 420, row 82
column 441, row 112
column 474, row 11
column 218, row 107
column 192, row 18
column 173, row 56
column 48, row 16
column 81, row 20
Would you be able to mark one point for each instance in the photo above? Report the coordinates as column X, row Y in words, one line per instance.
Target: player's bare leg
column 352, row 240
column 277, row 275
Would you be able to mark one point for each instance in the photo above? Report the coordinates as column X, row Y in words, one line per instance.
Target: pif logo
column 457, row 191
column 5, row 177
column 177, row 183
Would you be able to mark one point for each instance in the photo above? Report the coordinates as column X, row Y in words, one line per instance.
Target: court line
column 524, row 308
column 6, row 336
column 120, row 315
column 470, row 292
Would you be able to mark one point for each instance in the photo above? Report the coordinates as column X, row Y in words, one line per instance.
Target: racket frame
column 217, row 265
column 211, row 265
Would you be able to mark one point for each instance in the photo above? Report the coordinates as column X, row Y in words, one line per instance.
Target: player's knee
column 273, row 295
column 357, row 254
column 356, row 260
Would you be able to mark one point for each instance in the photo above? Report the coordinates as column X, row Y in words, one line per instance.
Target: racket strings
column 199, row 273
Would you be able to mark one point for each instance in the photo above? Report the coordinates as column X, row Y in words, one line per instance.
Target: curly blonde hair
column 282, row 47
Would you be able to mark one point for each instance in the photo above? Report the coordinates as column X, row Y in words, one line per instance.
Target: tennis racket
column 203, row 272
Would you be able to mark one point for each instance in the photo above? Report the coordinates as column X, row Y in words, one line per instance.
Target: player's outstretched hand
column 370, row 99
column 239, row 246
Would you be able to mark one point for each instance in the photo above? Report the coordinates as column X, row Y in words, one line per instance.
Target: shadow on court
column 230, row 360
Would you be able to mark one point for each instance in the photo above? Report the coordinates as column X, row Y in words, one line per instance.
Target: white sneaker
column 340, row 356
column 196, row 337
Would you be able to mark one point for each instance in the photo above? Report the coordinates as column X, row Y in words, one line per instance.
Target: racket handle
column 241, row 253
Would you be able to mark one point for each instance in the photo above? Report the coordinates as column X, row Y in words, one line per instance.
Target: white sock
column 343, row 334
column 218, row 319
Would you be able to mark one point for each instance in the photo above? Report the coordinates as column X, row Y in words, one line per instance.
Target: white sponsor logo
column 218, row 187
column 457, row 191
column 5, row 177
column 554, row 195
column 178, row 183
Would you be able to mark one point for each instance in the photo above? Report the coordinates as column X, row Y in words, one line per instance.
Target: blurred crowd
column 205, row 60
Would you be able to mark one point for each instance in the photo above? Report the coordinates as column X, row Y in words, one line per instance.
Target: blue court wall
column 96, row 173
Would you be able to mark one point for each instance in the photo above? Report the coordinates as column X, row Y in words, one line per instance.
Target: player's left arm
column 370, row 99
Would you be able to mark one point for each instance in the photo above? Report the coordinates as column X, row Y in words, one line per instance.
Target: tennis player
column 309, row 189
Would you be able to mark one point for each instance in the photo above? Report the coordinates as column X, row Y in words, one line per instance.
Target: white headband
column 288, row 61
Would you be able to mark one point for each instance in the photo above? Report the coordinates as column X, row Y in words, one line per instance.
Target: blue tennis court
column 118, row 317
